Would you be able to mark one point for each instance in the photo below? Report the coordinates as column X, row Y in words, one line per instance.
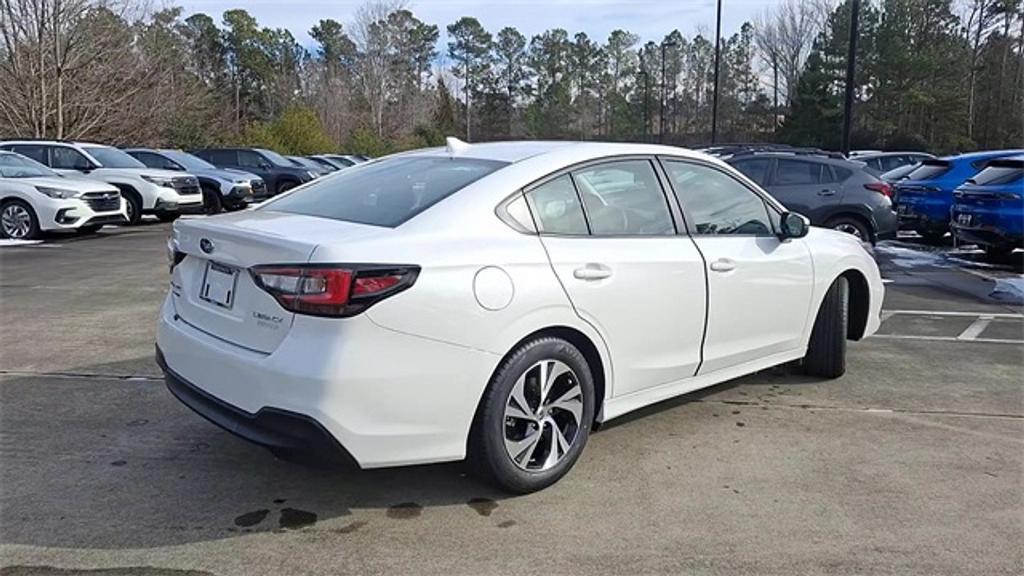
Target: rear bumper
column 387, row 398
column 988, row 237
column 271, row 428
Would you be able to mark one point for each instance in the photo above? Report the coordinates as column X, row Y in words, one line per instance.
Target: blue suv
column 924, row 198
column 988, row 210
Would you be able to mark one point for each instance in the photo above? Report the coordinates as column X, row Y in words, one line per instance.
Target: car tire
column 134, row 207
column 826, row 351
column 932, row 236
column 212, row 202
column 285, row 186
column 500, row 447
column 18, row 221
column 998, row 254
column 168, row 216
column 852, row 226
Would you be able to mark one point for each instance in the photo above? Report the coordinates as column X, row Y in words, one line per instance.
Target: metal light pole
column 647, row 113
column 851, row 67
column 718, row 57
column 664, row 85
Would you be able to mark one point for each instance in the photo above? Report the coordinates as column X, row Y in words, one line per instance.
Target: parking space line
column 947, row 339
column 976, row 328
column 945, row 313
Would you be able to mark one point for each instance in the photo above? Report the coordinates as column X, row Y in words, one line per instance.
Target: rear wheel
column 18, row 221
column 851, row 226
column 932, row 236
column 285, row 186
column 826, row 351
column 997, row 254
column 535, row 416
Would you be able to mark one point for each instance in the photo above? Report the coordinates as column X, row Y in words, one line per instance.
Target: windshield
column 276, row 158
column 1000, row 174
column 188, row 161
column 112, row 157
column 15, row 166
column 929, row 169
column 386, row 193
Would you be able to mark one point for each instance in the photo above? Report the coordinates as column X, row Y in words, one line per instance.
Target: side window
column 716, row 203
column 33, row 151
column 223, row 157
column 65, row 158
column 624, row 198
column 893, row 162
column 796, row 173
column 556, row 207
column 152, row 160
column 250, row 159
column 755, row 169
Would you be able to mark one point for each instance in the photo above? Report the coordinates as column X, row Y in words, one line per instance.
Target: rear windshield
column 929, row 169
column 994, row 175
column 387, row 192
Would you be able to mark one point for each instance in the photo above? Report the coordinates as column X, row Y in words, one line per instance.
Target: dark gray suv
column 831, row 191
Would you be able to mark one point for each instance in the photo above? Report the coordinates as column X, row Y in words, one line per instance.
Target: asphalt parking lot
column 913, row 463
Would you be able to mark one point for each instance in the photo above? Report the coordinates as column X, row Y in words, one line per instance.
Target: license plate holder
column 964, row 219
column 219, row 283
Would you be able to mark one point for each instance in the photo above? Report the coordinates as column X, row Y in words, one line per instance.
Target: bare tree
column 783, row 36
column 374, row 63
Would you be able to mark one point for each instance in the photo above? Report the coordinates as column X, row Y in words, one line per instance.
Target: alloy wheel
column 16, row 221
column 543, row 414
column 850, row 229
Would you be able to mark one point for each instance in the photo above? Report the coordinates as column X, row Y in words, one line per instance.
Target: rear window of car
column 385, row 193
column 999, row 174
column 929, row 169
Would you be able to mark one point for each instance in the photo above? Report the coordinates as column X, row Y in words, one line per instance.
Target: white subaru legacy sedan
column 495, row 302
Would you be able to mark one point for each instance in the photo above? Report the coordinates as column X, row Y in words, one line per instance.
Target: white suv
column 34, row 199
column 163, row 193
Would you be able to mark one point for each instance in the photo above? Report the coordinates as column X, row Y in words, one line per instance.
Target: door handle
column 592, row 272
column 723, row 265
column 826, row 192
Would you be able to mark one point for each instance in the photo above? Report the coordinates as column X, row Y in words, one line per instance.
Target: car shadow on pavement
column 93, row 462
column 758, row 388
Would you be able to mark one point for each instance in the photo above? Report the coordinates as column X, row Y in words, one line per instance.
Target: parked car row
column 42, row 189
column 826, row 187
column 977, row 196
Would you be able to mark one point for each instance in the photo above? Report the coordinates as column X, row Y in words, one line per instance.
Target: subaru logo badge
column 206, row 246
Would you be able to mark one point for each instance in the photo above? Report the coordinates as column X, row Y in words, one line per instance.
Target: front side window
column 716, row 203
column 275, row 158
column 250, row 159
column 386, row 193
column 624, row 198
column 64, row 158
column 557, row 209
column 152, row 160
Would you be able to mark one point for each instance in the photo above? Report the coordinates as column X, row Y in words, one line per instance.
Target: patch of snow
column 1009, row 288
column 9, row 242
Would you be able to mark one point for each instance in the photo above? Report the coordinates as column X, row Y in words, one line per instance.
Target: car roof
column 984, row 154
column 513, row 152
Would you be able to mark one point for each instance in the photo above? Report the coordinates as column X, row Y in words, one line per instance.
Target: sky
column 651, row 19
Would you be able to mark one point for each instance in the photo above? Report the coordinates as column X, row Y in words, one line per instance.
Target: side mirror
column 794, row 226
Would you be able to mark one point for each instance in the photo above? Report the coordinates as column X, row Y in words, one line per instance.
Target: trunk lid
column 212, row 288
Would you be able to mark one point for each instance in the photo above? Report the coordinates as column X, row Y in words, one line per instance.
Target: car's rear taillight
column 329, row 290
column 174, row 256
column 882, row 188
